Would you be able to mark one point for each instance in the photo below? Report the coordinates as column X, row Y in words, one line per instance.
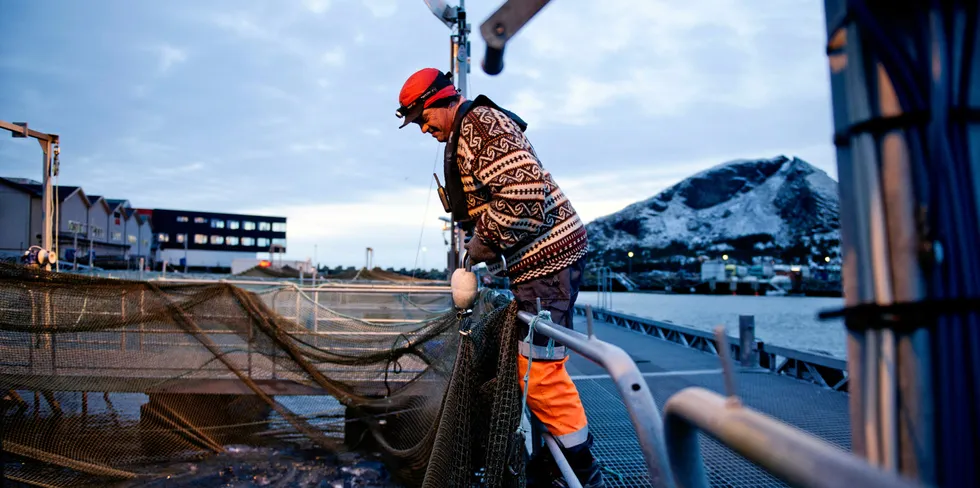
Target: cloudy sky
column 287, row 107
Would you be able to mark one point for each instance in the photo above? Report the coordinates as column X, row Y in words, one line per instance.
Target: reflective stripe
column 540, row 352
column 569, row 441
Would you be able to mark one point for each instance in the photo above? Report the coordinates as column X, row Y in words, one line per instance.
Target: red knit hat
column 421, row 90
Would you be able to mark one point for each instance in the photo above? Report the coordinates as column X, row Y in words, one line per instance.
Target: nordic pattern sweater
column 518, row 209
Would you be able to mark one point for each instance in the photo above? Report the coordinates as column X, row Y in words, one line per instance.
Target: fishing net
column 110, row 382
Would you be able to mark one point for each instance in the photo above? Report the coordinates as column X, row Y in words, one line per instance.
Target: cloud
column 334, row 56
column 381, row 8
column 317, row 6
column 318, row 146
column 390, row 222
column 178, row 170
column 664, row 57
column 169, row 57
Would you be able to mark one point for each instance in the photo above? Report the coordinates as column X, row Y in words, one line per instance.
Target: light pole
column 629, row 264
column 51, row 149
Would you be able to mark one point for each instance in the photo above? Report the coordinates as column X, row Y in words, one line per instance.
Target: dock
column 669, row 367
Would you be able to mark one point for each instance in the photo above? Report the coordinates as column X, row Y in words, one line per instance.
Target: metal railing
column 821, row 369
column 790, row 454
column 637, row 398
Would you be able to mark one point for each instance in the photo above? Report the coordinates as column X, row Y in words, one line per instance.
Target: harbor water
column 779, row 320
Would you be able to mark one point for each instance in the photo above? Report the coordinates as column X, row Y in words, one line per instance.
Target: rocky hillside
column 783, row 207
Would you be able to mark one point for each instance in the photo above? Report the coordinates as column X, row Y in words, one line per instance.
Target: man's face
column 436, row 121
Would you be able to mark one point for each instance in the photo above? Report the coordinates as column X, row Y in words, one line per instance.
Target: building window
column 200, row 220
column 217, row 240
column 132, row 239
column 76, row 227
column 248, row 241
column 263, row 242
column 248, row 225
column 265, row 226
column 233, row 224
column 117, row 236
column 163, row 237
column 200, row 239
column 182, row 218
column 231, row 241
column 181, row 238
column 278, row 227
column 98, row 232
column 279, row 242
column 217, row 224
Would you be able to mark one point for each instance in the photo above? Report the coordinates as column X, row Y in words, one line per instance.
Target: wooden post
column 746, row 341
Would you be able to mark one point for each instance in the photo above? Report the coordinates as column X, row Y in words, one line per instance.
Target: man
column 497, row 188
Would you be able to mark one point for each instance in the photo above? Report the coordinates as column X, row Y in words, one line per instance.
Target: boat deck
column 669, row 368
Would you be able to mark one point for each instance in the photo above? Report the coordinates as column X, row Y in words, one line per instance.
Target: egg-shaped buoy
column 463, row 284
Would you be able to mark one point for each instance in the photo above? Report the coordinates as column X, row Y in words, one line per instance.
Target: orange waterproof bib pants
column 552, row 396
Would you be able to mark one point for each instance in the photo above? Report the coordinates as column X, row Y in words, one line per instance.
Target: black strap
column 454, row 181
column 902, row 316
column 882, row 125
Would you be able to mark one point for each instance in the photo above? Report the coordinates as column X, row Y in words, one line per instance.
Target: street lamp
column 724, row 257
column 629, row 268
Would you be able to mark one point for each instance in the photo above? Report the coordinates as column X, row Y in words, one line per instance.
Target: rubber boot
column 542, row 471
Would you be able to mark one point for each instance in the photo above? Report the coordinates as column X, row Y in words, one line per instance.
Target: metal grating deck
column 819, row 411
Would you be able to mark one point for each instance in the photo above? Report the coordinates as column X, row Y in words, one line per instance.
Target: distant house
column 18, row 207
column 116, row 225
column 21, row 219
column 138, row 234
column 98, row 218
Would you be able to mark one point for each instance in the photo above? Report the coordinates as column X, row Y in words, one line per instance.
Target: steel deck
column 668, row 368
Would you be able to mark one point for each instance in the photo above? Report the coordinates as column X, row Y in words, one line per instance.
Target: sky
column 286, row 108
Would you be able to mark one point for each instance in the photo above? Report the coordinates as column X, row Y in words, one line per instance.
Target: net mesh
column 106, row 382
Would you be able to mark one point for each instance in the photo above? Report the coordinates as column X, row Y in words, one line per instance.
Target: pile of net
column 114, row 383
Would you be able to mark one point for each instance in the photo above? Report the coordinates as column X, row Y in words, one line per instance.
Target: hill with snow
column 780, row 207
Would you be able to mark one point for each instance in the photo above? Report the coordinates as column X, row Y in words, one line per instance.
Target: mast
column 459, row 59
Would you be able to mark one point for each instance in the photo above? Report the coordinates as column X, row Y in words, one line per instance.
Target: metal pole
column 463, row 49
column 187, row 238
column 47, row 194
column 746, row 341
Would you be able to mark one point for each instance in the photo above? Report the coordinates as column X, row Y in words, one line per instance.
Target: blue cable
column 943, row 180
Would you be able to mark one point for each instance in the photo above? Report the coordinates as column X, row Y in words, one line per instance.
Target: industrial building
column 111, row 233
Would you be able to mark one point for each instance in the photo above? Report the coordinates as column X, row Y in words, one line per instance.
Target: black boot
column 584, row 465
column 542, row 471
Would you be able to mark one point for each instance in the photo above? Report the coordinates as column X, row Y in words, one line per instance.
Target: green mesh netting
column 109, row 382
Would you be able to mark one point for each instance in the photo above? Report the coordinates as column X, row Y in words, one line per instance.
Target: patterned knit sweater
column 518, row 209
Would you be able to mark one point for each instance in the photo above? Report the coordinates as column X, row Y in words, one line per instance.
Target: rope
column 542, row 315
column 66, row 462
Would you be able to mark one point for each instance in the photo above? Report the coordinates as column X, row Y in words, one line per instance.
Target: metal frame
column 791, row 455
column 826, row 371
column 50, row 148
column 637, row 398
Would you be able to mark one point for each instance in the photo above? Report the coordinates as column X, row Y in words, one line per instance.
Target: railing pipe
column 632, row 387
column 792, row 455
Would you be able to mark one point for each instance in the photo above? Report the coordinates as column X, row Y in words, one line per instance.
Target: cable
column 428, row 199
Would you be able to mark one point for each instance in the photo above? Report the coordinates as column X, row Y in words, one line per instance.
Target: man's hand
column 478, row 251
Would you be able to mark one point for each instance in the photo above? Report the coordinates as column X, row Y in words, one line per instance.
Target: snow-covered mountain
column 773, row 207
